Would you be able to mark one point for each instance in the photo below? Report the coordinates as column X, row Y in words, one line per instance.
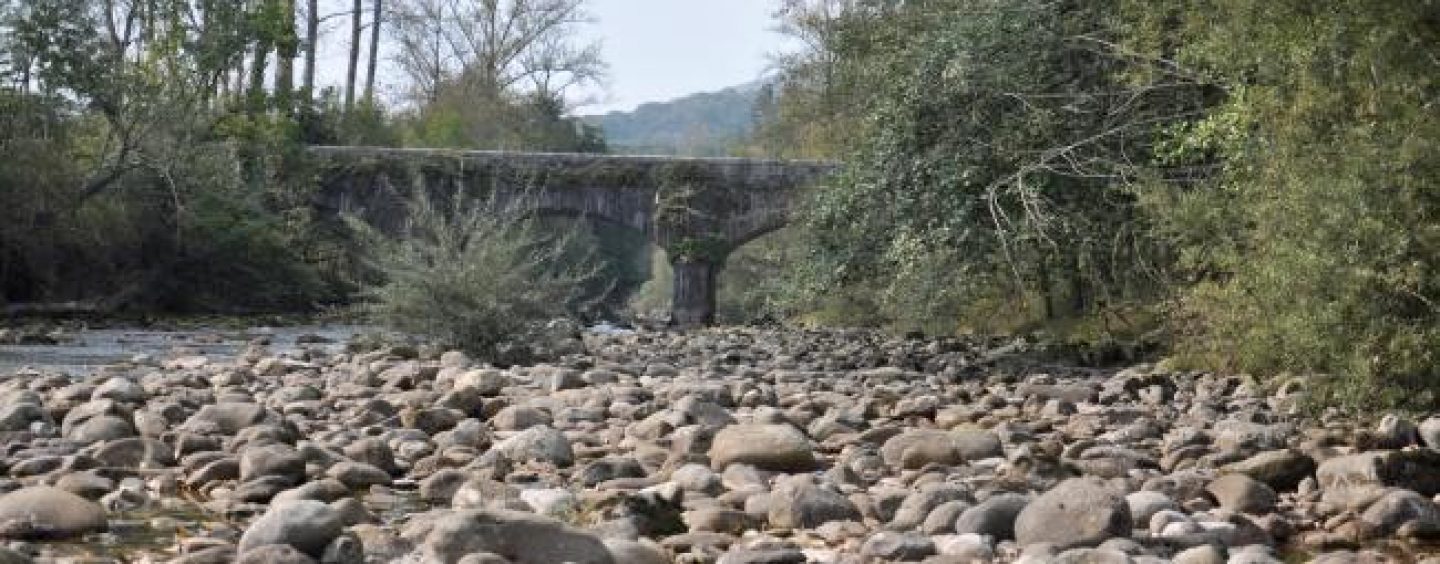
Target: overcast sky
column 657, row 49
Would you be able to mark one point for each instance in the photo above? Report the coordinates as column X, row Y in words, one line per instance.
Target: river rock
column 226, row 418
column 1282, row 470
column 272, row 460
column 1396, row 508
column 101, row 428
column 1358, row 479
column 777, row 447
column 523, row 538
column 1239, row 492
column 44, row 512
column 993, row 517
column 540, row 443
column 1076, row 513
column 307, row 525
column 799, row 503
column 274, row 554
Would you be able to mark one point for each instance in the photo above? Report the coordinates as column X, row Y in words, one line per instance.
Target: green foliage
column 477, row 275
column 1319, row 252
column 989, row 165
column 127, row 182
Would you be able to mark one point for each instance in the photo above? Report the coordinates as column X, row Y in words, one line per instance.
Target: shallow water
column 93, row 348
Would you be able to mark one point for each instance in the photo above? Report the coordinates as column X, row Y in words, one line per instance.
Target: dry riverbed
column 730, row 446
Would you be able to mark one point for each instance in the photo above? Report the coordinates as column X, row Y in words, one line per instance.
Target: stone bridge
column 697, row 209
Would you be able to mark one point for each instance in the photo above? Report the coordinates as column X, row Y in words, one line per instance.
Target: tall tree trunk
column 286, row 47
column 312, row 43
column 256, row 96
column 351, row 71
column 377, row 16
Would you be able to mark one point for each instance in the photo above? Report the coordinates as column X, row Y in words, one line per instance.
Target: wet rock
column 1078, row 512
column 41, row 512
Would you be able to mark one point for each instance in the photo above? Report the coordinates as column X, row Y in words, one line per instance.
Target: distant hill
column 705, row 124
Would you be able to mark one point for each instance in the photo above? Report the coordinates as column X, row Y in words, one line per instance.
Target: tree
column 312, row 45
column 496, row 47
column 377, row 16
column 287, row 47
column 351, row 70
column 984, row 166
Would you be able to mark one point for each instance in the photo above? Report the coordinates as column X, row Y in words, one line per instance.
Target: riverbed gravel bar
column 729, row 446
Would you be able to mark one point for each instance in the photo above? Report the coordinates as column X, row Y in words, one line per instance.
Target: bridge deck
column 575, row 158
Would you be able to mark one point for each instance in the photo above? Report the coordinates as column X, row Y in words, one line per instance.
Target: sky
column 664, row 49
column 657, row 50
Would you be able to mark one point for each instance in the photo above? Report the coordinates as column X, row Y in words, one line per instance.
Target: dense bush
column 1316, row 245
column 476, row 274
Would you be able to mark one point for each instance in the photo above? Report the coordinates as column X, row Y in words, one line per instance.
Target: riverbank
column 727, row 445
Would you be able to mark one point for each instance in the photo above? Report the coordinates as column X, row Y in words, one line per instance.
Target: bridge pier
column 692, row 302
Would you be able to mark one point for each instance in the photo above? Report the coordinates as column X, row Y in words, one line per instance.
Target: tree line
column 150, row 150
column 1252, row 183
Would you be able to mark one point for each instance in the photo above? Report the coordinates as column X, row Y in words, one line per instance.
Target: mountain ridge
column 699, row 124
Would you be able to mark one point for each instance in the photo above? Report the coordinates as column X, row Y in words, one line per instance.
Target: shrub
column 479, row 275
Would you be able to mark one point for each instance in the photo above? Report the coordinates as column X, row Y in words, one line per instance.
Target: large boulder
column 307, row 525
column 1358, row 479
column 777, row 447
column 42, row 513
column 1078, row 512
column 523, row 538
